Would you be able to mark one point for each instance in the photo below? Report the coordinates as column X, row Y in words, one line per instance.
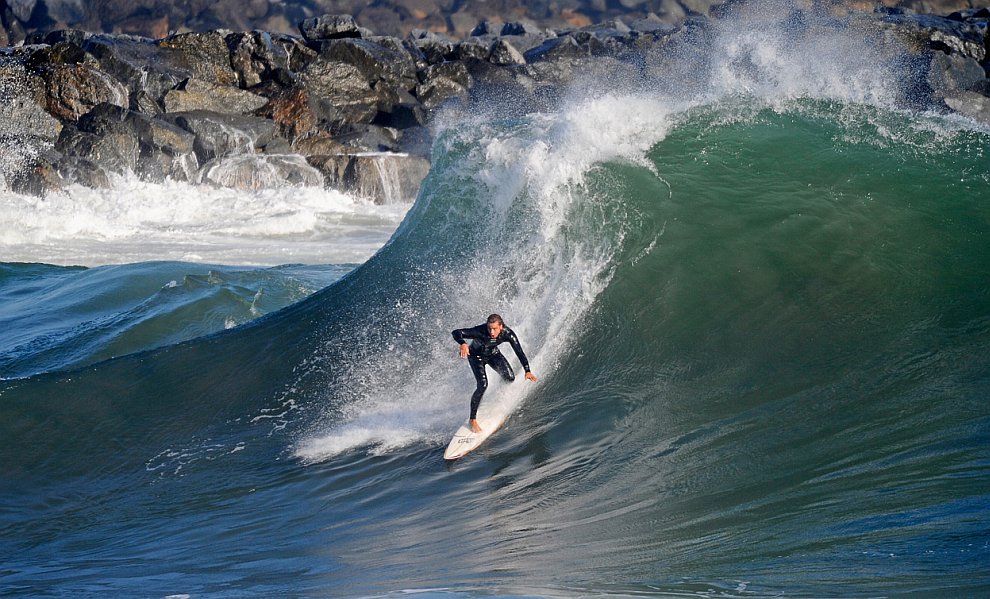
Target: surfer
column 480, row 346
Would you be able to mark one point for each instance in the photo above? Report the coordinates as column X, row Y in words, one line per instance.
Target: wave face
column 760, row 314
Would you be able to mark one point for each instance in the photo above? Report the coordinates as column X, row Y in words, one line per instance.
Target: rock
column 384, row 61
column 22, row 96
column 255, row 57
column 74, row 89
column 504, row 53
column 39, row 175
column 339, row 93
column 291, row 113
column 374, row 138
column 472, row 49
column 954, row 72
column 121, row 140
column 922, row 32
column 434, row 48
column 271, row 171
column 971, row 104
column 384, row 178
column 203, row 56
column 519, row 28
column 442, row 82
column 565, row 47
column 330, row 27
column 195, row 94
column 137, row 63
column 217, row 135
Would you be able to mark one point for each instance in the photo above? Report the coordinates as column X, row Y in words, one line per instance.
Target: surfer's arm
column 462, row 337
column 516, row 347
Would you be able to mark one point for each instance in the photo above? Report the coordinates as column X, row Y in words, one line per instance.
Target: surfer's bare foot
column 475, row 427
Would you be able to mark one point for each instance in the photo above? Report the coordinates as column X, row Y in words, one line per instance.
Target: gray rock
column 384, row 178
column 255, row 57
column 195, row 94
column 955, row 72
column 971, row 104
column 22, row 95
column 565, row 47
column 442, row 82
column 923, row 32
column 74, row 89
column 504, row 53
column 270, row 171
column 339, row 93
column 203, row 56
column 386, row 60
column 519, row 28
column 330, row 27
column 121, row 140
column 217, row 135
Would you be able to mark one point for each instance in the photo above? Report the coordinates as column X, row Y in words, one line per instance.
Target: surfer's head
column 495, row 325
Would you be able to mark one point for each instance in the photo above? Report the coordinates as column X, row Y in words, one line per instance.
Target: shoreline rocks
column 339, row 105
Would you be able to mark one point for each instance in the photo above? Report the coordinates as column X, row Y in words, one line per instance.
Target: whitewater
column 749, row 269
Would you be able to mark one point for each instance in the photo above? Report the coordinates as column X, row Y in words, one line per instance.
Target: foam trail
column 137, row 221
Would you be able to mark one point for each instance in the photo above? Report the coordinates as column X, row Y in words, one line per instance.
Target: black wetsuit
column 484, row 350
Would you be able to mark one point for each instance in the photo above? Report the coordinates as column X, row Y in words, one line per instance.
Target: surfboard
column 465, row 441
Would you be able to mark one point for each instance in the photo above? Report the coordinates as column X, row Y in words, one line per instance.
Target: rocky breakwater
column 341, row 107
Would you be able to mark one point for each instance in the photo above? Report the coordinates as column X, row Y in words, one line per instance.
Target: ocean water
column 754, row 281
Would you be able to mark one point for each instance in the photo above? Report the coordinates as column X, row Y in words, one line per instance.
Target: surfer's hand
column 531, row 377
column 475, row 427
column 465, row 348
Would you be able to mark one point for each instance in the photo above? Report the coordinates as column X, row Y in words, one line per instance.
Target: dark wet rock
column 970, row 103
column 195, row 94
column 217, row 135
column 382, row 177
column 472, row 49
column 953, row 72
column 441, row 82
column 255, row 57
column 504, row 53
column 202, row 55
column 519, row 28
column 269, row 171
column 924, row 32
column 22, row 97
column 121, row 140
column 375, row 138
column 137, row 63
column 435, row 49
column 339, row 93
column 565, row 47
column 74, row 89
column 384, row 61
column 331, row 27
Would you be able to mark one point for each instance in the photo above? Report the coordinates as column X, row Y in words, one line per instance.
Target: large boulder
column 121, row 141
column 204, row 56
column 441, row 82
column 74, row 89
column 331, row 27
column 196, row 94
column 384, row 178
column 217, row 135
column 270, row 171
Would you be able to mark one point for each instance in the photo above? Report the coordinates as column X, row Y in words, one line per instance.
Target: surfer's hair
column 495, row 318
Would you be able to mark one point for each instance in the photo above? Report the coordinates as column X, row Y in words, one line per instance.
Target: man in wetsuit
column 480, row 346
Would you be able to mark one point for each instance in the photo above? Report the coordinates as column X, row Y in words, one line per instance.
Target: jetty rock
column 337, row 105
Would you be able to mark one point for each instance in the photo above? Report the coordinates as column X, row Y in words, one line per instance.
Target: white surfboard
column 466, row 441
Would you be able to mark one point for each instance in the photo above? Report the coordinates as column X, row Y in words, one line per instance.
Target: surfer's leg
column 502, row 366
column 478, row 368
